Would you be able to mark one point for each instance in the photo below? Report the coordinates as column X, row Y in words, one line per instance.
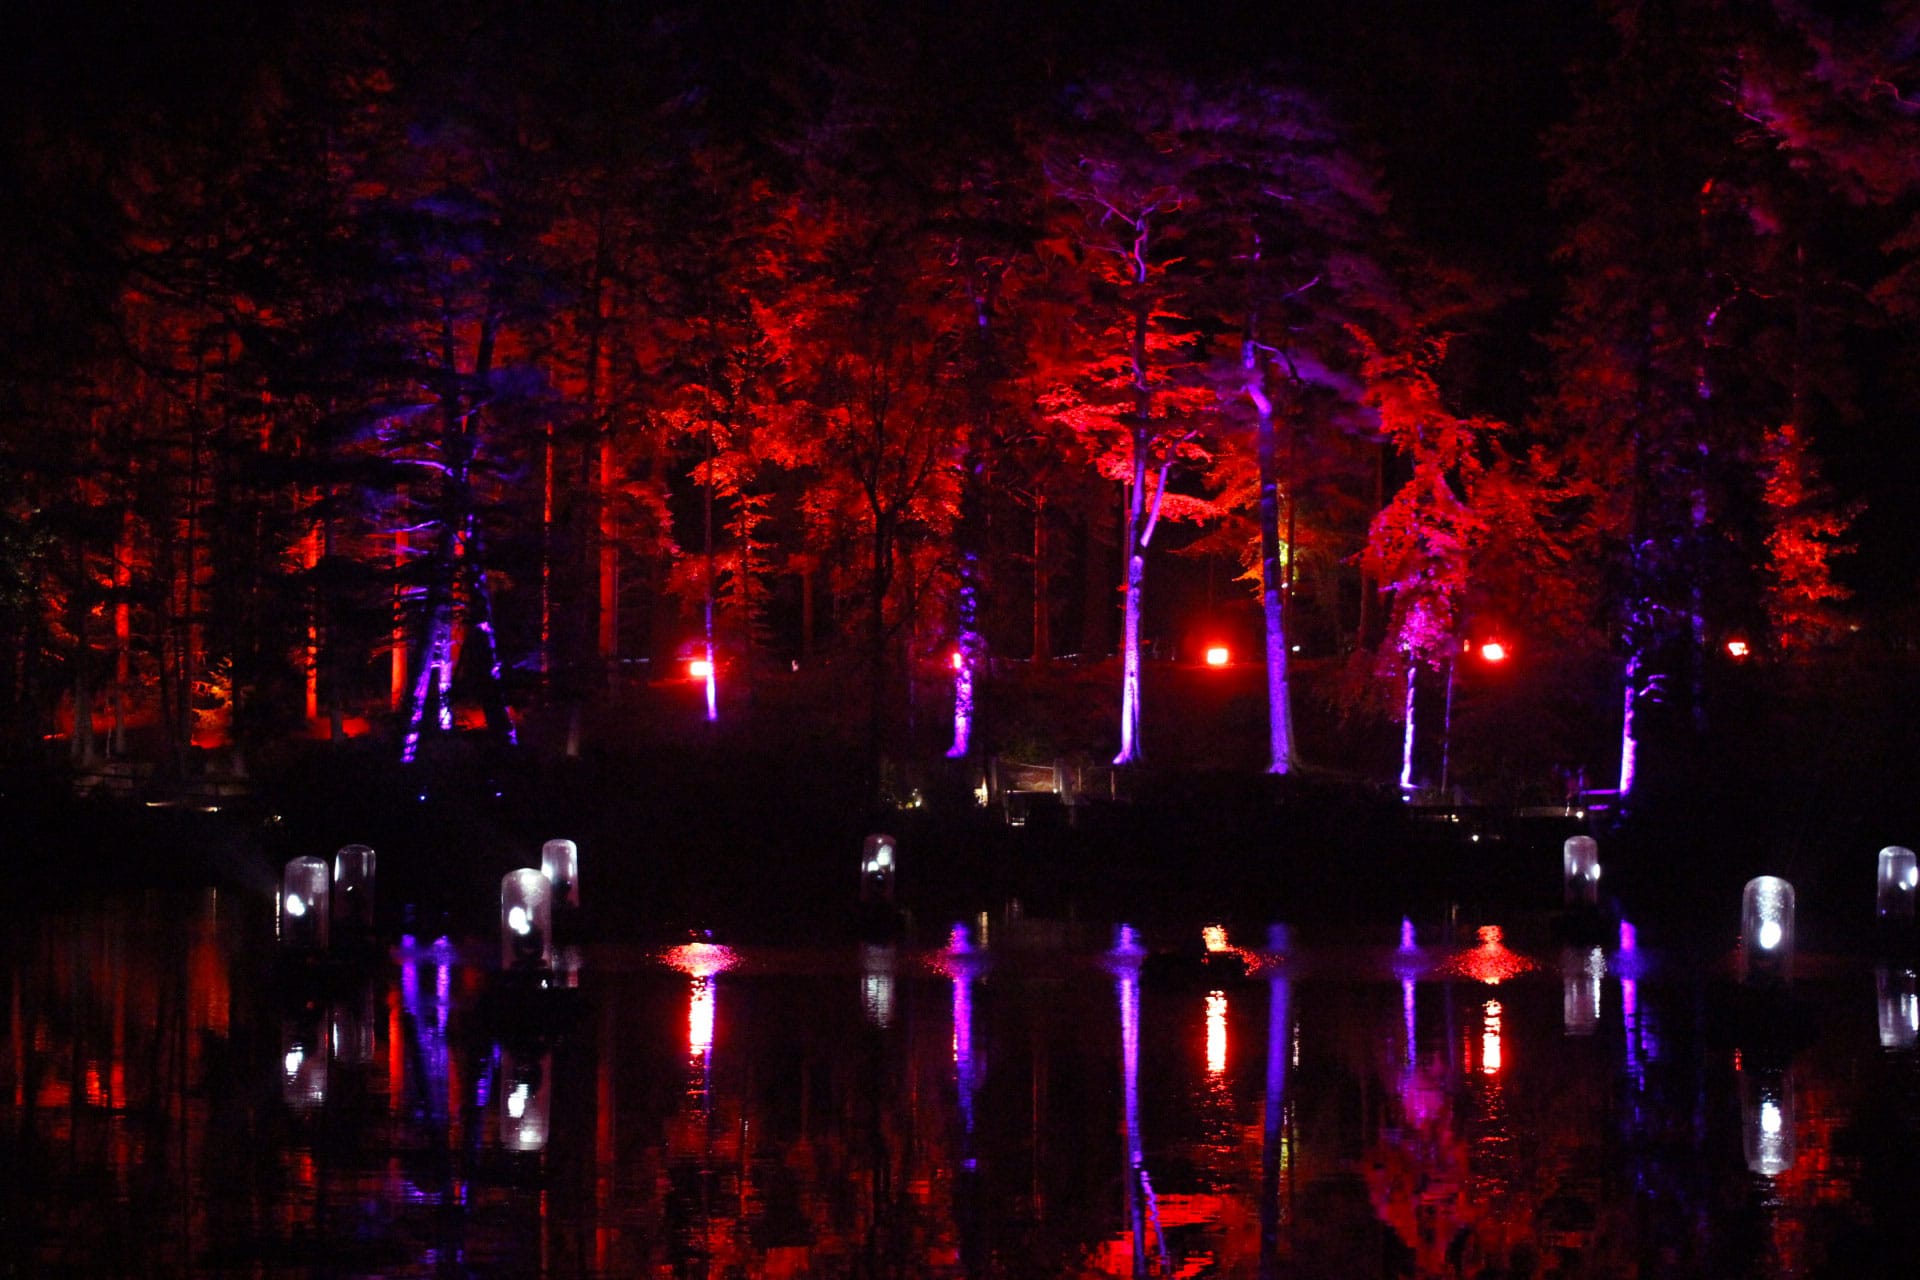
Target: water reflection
column 176, row 1106
column 1899, row 1004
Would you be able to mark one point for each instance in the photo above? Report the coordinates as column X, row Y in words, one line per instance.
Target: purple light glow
column 1406, row 733
column 1406, row 933
column 1629, row 937
column 1629, row 747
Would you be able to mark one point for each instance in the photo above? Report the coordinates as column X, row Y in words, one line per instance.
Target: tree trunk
column 1273, row 586
column 1042, row 586
column 1407, row 726
column 1130, row 617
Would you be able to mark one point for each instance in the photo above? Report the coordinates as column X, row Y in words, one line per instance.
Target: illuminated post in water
column 353, row 889
column 526, row 920
column 1766, row 930
column 304, row 905
column 1580, row 866
column 560, row 864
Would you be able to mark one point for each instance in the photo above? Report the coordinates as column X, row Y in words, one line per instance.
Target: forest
column 393, row 370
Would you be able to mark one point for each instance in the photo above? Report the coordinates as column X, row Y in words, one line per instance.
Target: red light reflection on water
column 1490, row 1056
column 701, row 959
column 1490, row 962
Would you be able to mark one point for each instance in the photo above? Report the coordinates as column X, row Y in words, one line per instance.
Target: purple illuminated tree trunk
column 1139, row 526
column 456, row 554
column 1272, row 574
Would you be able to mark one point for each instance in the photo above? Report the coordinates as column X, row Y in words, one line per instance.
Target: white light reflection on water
column 820, row 1135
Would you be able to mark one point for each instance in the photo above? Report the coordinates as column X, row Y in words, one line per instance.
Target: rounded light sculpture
column 304, row 905
column 877, row 869
column 1766, row 929
column 353, row 870
column 1899, row 878
column 1580, row 864
column 526, row 920
column 560, row 864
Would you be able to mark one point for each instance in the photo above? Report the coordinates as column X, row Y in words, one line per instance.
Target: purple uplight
column 1629, row 937
column 1406, row 934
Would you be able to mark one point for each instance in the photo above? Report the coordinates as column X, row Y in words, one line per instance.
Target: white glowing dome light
column 1580, row 867
column 303, row 905
column 1766, row 927
column 560, row 863
column 1899, row 876
column 526, row 920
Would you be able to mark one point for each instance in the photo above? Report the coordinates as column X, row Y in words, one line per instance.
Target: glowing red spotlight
column 959, row 660
column 1493, row 651
column 1737, row 649
column 1217, row 656
column 699, row 669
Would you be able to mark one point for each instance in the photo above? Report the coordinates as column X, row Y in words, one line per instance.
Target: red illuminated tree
column 1122, row 172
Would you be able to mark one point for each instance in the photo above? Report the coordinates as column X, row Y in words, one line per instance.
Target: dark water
column 173, row 1105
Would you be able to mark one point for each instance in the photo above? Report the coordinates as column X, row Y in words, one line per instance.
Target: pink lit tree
column 1123, row 173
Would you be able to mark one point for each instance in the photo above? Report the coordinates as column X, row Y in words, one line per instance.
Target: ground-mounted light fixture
column 353, row 868
column 1580, row 869
column 304, row 905
column 1899, row 878
column 560, row 864
column 1766, row 930
column 526, row 920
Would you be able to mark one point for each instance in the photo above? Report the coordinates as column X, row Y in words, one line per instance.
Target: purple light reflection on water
column 759, row 1155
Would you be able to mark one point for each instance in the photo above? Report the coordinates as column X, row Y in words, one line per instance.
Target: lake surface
column 1028, row 1105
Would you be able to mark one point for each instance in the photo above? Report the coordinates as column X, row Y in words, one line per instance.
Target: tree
column 1119, row 170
